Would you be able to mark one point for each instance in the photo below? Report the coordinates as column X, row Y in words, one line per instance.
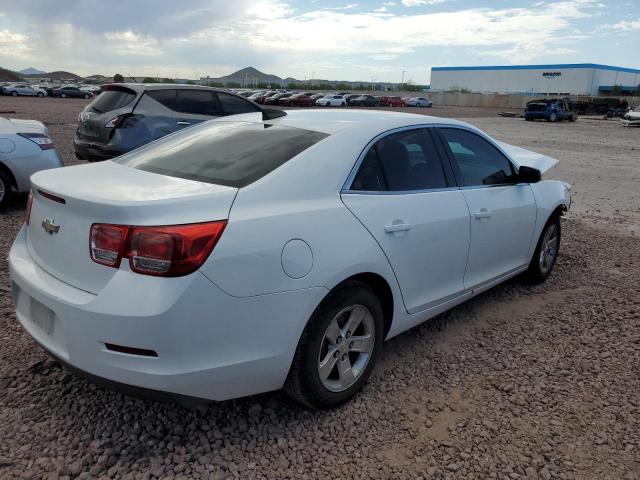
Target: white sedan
column 418, row 102
column 245, row 254
column 331, row 101
column 25, row 148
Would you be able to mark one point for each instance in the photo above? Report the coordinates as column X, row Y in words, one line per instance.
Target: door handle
column 183, row 123
column 483, row 213
column 397, row 227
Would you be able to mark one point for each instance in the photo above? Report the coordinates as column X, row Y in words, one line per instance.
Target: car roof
column 333, row 121
column 141, row 87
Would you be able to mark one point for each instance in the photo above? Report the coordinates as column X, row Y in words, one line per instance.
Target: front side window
column 234, row 154
column 477, row 161
column 403, row 161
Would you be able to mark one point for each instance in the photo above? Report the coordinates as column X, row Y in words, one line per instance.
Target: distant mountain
column 31, row 71
column 251, row 76
column 9, row 76
column 57, row 75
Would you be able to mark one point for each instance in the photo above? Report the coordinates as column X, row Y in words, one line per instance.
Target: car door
column 194, row 106
column 503, row 212
column 405, row 197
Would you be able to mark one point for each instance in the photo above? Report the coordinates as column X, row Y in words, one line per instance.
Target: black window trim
column 454, row 166
column 444, row 162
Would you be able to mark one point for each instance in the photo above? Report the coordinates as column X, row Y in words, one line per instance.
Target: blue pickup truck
column 552, row 110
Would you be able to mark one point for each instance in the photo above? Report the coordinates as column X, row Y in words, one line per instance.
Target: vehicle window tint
column 233, row 105
column 408, row 161
column 197, row 102
column 370, row 176
column 166, row 98
column 478, row 162
column 225, row 153
column 112, row 100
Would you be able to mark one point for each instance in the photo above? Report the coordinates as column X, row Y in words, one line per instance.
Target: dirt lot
column 522, row 382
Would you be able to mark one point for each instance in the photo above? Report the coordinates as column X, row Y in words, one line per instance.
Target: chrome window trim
column 346, row 187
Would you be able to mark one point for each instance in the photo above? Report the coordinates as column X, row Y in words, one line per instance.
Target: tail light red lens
column 40, row 139
column 169, row 251
column 29, row 205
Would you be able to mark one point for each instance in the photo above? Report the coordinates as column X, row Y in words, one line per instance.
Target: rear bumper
column 93, row 152
column 209, row 345
column 23, row 167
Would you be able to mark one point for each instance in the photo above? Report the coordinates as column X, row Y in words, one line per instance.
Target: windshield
column 234, row 154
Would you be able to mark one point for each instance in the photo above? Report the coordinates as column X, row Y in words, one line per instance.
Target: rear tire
column 85, row 96
column 63, row 95
column 553, row 117
column 546, row 253
column 14, row 94
column 6, row 191
column 333, row 359
column 40, row 94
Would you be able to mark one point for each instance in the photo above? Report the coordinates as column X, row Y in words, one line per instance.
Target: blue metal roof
column 558, row 66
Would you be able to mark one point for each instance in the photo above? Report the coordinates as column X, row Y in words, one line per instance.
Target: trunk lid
column 14, row 125
column 107, row 192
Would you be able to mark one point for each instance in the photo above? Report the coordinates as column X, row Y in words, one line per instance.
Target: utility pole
column 402, row 81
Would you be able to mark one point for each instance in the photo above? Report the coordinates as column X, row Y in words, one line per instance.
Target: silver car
column 19, row 89
column 25, row 148
column 418, row 102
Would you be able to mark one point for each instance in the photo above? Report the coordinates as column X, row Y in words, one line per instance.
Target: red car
column 297, row 100
column 391, row 102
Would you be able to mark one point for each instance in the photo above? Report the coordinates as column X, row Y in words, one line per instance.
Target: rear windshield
column 234, row 154
column 112, row 100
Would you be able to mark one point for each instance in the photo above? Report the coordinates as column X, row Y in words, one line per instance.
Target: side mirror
column 529, row 175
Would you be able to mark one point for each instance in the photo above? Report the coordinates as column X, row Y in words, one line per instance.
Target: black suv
column 126, row 116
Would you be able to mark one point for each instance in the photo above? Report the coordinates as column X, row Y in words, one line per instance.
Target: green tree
column 616, row 90
column 149, row 80
column 117, row 78
column 232, row 85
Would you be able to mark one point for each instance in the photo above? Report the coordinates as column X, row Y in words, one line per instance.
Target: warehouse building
column 560, row 79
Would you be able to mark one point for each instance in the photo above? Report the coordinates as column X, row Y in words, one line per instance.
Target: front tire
column 14, row 94
column 546, row 253
column 40, row 94
column 338, row 348
column 5, row 189
column 63, row 95
column 553, row 117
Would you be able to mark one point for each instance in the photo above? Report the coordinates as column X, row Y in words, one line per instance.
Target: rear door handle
column 183, row 123
column 483, row 213
column 397, row 227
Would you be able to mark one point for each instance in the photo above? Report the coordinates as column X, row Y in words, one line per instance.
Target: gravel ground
column 521, row 382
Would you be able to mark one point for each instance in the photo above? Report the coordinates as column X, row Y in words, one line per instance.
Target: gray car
column 126, row 116
column 18, row 89
column 25, row 148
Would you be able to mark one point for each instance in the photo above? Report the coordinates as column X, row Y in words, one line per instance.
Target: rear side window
column 233, row 105
column 197, row 102
column 112, row 100
column 225, row 153
column 477, row 161
column 166, row 98
column 402, row 161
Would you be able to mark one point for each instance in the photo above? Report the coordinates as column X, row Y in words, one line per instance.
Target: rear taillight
column 40, row 139
column 169, row 251
column 29, row 204
column 126, row 120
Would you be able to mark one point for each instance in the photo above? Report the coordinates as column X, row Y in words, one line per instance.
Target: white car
column 418, row 102
column 331, row 101
column 21, row 89
column 631, row 119
column 244, row 254
column 25, row 148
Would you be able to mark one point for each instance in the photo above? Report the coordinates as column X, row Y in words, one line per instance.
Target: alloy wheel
column 346, row 348
column 549, row 249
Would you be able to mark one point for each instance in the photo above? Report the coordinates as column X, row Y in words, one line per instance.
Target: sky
column 332, row 39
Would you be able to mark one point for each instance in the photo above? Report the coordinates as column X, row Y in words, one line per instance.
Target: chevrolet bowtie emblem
column 49, row 226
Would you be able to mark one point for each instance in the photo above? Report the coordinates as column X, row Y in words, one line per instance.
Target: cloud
column 416, row 3
column 626, row 25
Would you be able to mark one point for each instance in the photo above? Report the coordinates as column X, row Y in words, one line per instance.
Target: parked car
column 275, row 99
column 23, row 90
column 631, row 119
column 240, row 256
column 69, row 92
column 261, row 98
column 418, row 102
column 126, row 116
column 350, row 96
column 317, row 96
column 25, row 148
column 391, row 102
column 297, row 100
column 552, row 110
column 364, row 101
column 331, row 101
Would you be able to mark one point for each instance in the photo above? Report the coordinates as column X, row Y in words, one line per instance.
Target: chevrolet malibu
column 246, row 254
